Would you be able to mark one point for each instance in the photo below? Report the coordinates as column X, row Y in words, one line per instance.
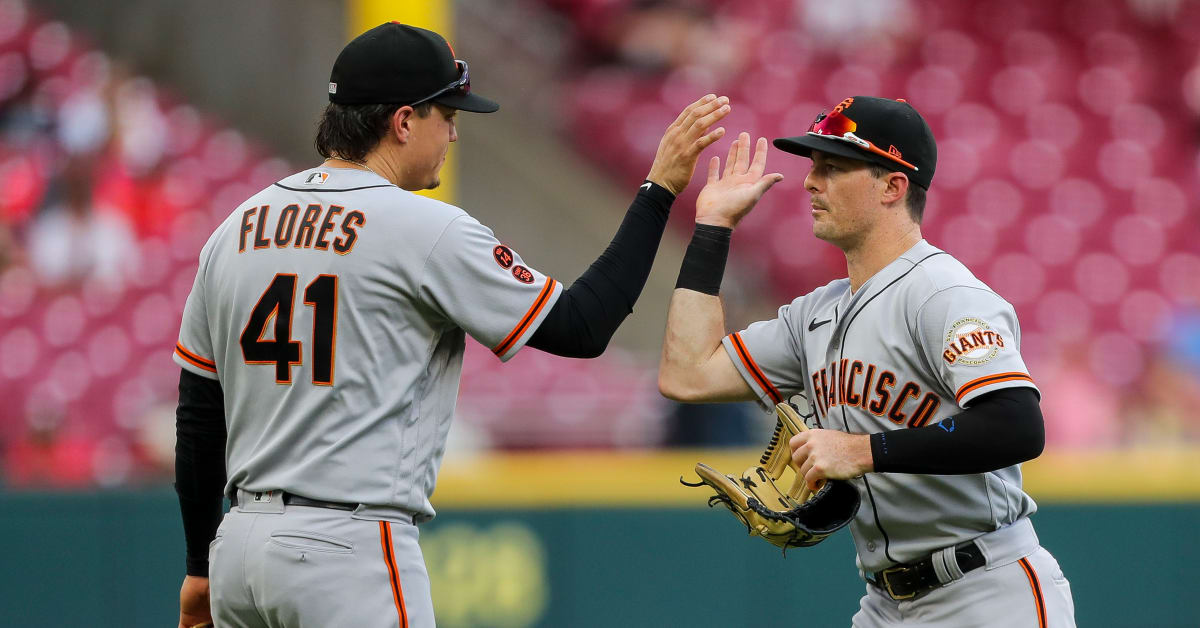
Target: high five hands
column 685, row 139
column 730, row 195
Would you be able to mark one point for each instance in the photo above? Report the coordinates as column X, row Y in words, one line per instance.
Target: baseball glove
column 797, row 518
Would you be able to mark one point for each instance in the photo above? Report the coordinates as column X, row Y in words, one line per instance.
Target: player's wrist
column 655, row 187
column 866, row 457
column 662, row 182
column 715, row 221
column 704, row 262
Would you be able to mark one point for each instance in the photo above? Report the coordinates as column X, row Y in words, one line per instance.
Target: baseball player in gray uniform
column 322, row 345
column 910, row 364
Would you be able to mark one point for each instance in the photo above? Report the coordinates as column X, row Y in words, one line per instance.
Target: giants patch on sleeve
column 971, row 342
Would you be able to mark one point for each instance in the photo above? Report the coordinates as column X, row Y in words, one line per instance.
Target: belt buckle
column 887, row 583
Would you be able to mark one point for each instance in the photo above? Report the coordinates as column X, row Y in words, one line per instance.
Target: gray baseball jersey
column 333, row 307
column 911, row 347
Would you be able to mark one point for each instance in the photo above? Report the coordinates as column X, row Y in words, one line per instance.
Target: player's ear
column 401, row 123
column 895, row 187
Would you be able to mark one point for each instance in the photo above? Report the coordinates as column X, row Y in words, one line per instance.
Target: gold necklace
column 359, row 163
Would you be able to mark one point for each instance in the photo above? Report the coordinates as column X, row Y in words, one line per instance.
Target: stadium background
column 1067, row 180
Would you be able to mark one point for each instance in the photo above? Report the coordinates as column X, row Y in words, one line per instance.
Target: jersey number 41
column 275, row 304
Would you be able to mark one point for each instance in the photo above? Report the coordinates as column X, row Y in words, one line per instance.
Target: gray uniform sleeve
column 767, row 355
column 485, row 288
column 971, row 340
column 194, row 350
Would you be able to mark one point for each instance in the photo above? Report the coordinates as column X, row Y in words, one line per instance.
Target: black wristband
column 659, row 196
column 704, row 262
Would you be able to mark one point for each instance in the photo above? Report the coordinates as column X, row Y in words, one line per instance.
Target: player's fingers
column 691, row 125
column 743, row 153
column 687, row 111
column 764, row 183
column 710, row 118
column 759, row 163
column 707, row 140
column 798, row 441
column 714, row 169
column 799, row 452
column 810, row 473
column 729, row 159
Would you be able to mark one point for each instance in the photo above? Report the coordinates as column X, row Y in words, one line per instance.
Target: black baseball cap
column 886, row 132
column 399, row 64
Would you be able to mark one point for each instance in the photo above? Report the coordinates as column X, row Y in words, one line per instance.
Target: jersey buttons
column 871, row 546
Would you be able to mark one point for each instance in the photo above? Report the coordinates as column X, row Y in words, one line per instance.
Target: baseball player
column 322, row 345
column 910, row 364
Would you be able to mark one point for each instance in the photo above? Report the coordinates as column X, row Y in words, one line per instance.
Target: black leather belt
column 905, row 582
column 296, row 500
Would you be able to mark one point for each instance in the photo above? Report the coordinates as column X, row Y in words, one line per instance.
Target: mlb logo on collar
column 316, row 178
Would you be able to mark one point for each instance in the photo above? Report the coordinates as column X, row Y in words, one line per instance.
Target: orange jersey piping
column 752, row 367
column 988, row 380
column 527, row 320
column 195, row 360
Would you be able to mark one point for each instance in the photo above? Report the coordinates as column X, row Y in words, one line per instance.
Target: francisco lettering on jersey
column 858, row 384
column 971, row 342
column 307, row 229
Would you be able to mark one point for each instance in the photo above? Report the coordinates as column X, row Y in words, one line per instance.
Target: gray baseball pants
column 1030, row 592
column 277, row 566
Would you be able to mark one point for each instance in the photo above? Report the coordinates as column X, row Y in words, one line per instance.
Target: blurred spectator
column 48, row 456
column 1080, row 411
column 84, row 121
column 851, row 23
column 656, row 35
column 73, row 241
column 1155, row 11
column 9, row 253
column 1185, row 340
column 1162, row 407
column 132, row 179
column 155, row 438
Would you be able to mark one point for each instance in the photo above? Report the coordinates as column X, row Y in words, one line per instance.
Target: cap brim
column 804, row 145
column 467, row 102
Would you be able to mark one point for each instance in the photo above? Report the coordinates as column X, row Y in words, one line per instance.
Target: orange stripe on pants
column 1037, row 591
column 389, row 556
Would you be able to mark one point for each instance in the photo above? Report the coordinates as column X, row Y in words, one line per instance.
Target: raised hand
column 729, row 196
column 687, row 136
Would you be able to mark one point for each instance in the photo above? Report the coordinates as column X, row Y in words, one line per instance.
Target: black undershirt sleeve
column 999, row 429
column 199, row 464
column 587, row 314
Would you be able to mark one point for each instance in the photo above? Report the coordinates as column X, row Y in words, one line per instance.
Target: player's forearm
column 199, row 464
column 1000, row 429
column 586, row 316
column 695, row 326
column 695, row 317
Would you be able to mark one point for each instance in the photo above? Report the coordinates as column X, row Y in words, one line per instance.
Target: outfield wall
column 648, row 556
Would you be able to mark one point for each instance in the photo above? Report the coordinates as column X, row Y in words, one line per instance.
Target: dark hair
column 914, row 199
column 352, row 131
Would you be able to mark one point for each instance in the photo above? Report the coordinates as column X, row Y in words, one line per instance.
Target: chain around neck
column 359, row 163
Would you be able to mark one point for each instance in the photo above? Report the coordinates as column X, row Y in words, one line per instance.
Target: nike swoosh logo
column 645, row 186
column 813, row 324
